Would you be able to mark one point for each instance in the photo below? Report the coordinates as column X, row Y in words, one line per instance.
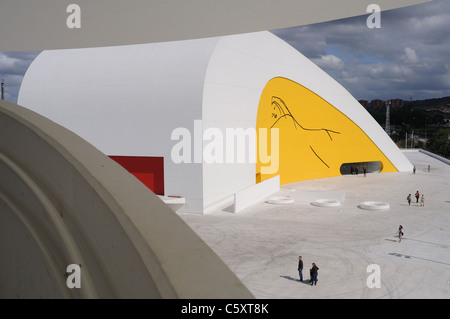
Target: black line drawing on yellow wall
column 280, row 111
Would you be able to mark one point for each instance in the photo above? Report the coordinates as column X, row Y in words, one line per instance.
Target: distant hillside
column 443, row 101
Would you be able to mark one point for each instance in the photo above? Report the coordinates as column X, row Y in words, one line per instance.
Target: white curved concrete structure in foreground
column 52, row 24
column 63, row 202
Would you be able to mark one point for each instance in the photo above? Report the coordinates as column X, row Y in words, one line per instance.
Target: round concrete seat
column 326, row 202
column 280, row 200
column 374, row 205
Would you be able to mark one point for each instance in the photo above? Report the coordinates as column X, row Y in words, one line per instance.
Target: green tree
column 439, row 143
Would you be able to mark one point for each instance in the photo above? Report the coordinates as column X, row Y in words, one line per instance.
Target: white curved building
column 162, row 110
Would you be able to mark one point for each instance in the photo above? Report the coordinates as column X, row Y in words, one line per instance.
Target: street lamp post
column 388, row 120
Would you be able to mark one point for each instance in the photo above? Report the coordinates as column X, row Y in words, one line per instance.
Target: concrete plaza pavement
column 261, row 244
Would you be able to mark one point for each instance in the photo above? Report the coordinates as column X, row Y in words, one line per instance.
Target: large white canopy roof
column 42, row 24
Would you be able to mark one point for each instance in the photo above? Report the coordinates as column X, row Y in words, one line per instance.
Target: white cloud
column 411, row 56
column 329, row 62
column 6, row 62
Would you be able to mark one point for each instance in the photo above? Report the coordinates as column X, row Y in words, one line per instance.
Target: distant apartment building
column 364, row 103
column 377, row 103
column 396, row 102
column 381, row 103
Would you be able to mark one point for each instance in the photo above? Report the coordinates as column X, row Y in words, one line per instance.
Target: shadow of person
column 290, row 278
column 305, row 281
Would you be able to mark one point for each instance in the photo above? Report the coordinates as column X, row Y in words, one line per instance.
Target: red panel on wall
column 149, row 170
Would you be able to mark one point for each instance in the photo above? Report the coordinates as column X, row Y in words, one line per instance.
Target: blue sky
column 407, row 58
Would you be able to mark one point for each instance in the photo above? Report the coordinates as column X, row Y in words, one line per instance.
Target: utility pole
column 388, row 120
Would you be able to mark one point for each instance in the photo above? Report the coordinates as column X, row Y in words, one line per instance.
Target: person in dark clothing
column 300, row 267
column 314, row 273
column 400, row 233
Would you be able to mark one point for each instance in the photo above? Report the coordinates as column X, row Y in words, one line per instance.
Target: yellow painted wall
column 314, row 137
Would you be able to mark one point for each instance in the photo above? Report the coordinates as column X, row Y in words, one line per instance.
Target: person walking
column 414, row 169
column 408, row 198
column 400, row 233
column 417, row 197
column 314, row 273
column 422, row 201
column 300, row 268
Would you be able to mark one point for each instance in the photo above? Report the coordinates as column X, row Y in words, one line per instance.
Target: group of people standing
column 417, row 195
column 355, row 170
column 313, row 272
column 414, row 168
